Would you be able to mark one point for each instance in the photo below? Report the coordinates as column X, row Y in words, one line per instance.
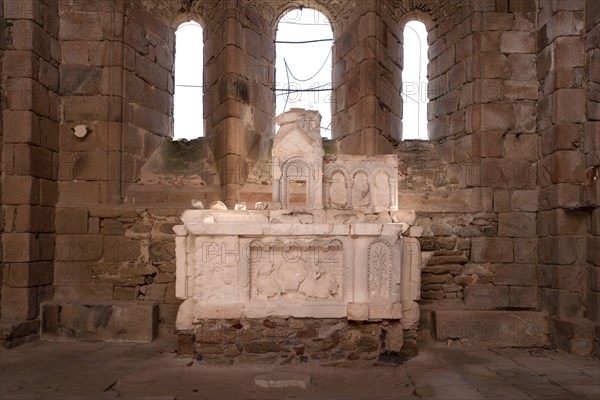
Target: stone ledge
column 104, row 322
column 492, row 328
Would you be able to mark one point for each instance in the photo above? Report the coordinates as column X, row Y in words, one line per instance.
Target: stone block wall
column 30, row 149
column 506, row 189
column 117, row 254
column 328, row 342
column 366, row 60
column 116, row 81
column 564, row 219
column 591, row 191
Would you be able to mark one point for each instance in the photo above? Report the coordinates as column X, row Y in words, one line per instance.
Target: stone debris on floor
column 43, row 370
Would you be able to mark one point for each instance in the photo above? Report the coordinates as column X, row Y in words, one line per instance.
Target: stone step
column 102, row 322
column 491, row 329
column 281, row 380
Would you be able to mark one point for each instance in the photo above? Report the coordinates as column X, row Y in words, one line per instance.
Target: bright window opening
column 303, row 64
column 188, row 98
column 414, row 82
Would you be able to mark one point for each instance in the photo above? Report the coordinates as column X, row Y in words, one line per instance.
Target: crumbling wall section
column 108, row 255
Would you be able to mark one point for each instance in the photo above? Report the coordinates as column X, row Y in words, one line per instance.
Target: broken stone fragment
column 218, row 205
column 261, row 205
column 240, row 206
column 197, row 204
column 407, row 216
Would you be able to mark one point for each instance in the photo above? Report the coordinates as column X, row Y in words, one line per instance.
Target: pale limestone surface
column 300, row 259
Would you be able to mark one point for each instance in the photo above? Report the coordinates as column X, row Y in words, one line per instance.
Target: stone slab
column 492, row 328
column 104, row 322
column 282, row 380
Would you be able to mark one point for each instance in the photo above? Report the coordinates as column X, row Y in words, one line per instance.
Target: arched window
column 414, row 82
column 188, row 98
column 303, row 64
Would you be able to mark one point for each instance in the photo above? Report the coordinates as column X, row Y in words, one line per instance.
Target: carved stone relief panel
column 380, row 271
column 337, row 187
column 361, row 190
column 217, row 270
column 382, row 190
column 361, row 182
column 298, row 269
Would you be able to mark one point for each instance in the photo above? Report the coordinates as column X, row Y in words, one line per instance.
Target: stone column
column 30, row 140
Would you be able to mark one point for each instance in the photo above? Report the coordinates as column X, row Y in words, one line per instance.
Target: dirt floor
column 44, row 370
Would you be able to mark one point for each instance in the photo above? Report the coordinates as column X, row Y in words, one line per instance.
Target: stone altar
column 333, row 244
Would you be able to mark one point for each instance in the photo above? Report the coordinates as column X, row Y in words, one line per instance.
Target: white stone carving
column 330, row 245
column 380, row 271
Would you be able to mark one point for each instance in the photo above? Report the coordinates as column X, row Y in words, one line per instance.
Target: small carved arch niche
column 296, row 184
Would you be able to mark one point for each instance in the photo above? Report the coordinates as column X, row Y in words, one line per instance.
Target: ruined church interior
column 322, row 221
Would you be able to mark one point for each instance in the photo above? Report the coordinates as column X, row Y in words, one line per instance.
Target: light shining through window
column 414, row 82
column 188, row 98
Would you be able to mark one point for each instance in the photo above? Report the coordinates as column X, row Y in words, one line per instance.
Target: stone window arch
column 304, row 63
column 415, row 89
column 188, row 97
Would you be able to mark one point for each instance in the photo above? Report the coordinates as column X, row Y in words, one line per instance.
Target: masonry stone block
column 497, row 117
column 20, row 247
column 78, row 247
column 23, row 189
column 508, row 173
column 37, row 219
column 490, row 66
column 513, row 274
column 78, row 193
column 568, row 166
column 94, row 108
column 563, row 250
column 566, row 222
column 95, row 292
column 560, row 195
column 72, row 272
column 568, row 104
column 524, row 200
column 490, row 329
column 19, row 303
column 119, row 248
column 492, row 250
column 71, row 220
column 593, row 250
column 517, row 224
column 30, row 274
column 523, row 297
column 485, row 297
column 562, row 303
column 109, row 322
column 526, row 251
column 561, row 137
column 517, row 42
column 564, row 277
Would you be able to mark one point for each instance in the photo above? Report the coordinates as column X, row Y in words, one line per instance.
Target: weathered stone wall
column 2, row 108
column 366, row 80
column 115, row 79
column 504, row 189
column 30, row 119
column 591, row 194
column 329, row 342
column 117, row 254
column 563, row 222
column 474, row 185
